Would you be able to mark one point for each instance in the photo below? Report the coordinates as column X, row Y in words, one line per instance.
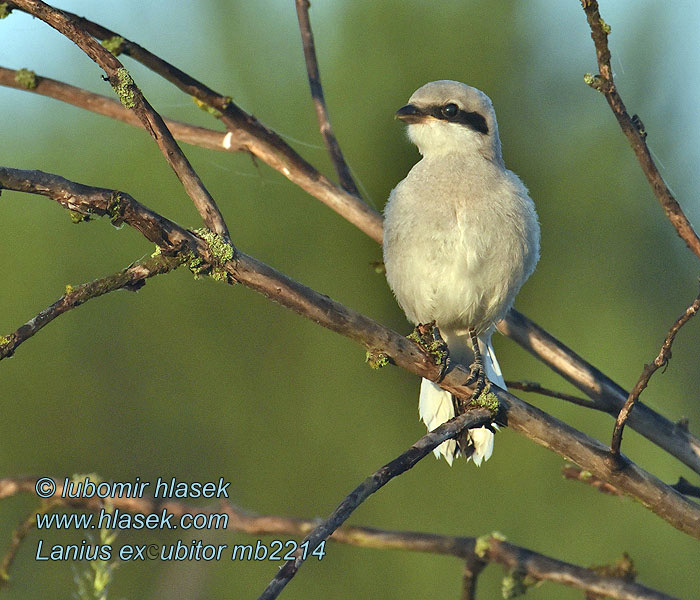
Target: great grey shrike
column 461, row 237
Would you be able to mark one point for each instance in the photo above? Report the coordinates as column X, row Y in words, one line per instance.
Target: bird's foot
column 477, row 373
column 427, row 336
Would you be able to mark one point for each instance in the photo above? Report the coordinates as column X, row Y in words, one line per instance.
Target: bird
column 461, row 236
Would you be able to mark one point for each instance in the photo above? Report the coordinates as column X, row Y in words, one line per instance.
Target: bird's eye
column 450, row 110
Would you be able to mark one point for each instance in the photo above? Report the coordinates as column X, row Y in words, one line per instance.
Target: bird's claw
column 477, row 373
column 427, row 336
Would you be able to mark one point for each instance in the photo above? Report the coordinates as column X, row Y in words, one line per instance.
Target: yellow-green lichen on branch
column 115, row 209
column 487, row 399
column 435, row 347
column 5, row 340
column 604, row 26
column 4, row 11
column 594, row 81
column 483, row 543
column 221, row 252
column 26, row 78
column 376, row 359
column 78, row 217
column 113, row 44
column 206, row 108
column 516, row 584
column 124, row 87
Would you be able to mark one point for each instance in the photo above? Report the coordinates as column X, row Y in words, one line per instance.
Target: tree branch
column 473, row 566
column 631, row 127
column 578, row 474
column 538, row 426
column 660, row 361
column 324, row 123
column 536, row 388
column 132, row 98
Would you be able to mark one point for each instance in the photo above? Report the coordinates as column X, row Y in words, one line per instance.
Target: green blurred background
column 198, row 380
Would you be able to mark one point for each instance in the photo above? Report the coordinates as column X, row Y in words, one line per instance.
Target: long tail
column 435, row 405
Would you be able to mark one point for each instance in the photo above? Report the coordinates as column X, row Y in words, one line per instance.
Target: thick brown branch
column 634, row 133
column 538, row 426
column 324, row 122
column 661, row 360
column 102, row 105
column 132, row 98
column 511, row 556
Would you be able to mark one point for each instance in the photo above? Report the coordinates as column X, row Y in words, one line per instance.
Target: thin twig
column 324, row 122
column 521, row 417
column 630, row 126
column 102, row 105
column 536, row 388
column 20, row 532
column 473, row 566
column 246, row 132
column 578, row 474
column 661, row 360
column 539, row 566
column 132, row 98
column 686, row 488
column 378, row 479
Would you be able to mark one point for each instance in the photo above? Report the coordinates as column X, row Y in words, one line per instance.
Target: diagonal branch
column 378, row 479
column 539, row 566
column 632, row 128
column 535, row 424
column 536, row 388
column 661, row 360
column 132, row 98
column 324, row 123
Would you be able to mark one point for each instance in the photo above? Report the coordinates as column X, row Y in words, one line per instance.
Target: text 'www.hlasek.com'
column 152, row 508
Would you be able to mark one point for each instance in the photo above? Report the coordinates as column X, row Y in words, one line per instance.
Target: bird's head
column 447, row 117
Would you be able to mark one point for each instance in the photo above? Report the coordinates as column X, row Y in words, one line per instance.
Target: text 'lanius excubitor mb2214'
column 460, row 238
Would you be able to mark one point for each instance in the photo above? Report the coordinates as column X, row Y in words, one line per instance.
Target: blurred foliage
column 199, row 380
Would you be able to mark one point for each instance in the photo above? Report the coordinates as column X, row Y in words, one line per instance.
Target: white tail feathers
column 435, row 407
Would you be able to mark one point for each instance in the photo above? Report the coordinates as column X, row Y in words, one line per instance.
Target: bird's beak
column 410, row 114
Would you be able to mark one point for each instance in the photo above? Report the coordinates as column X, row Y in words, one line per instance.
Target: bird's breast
column 455, row 246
